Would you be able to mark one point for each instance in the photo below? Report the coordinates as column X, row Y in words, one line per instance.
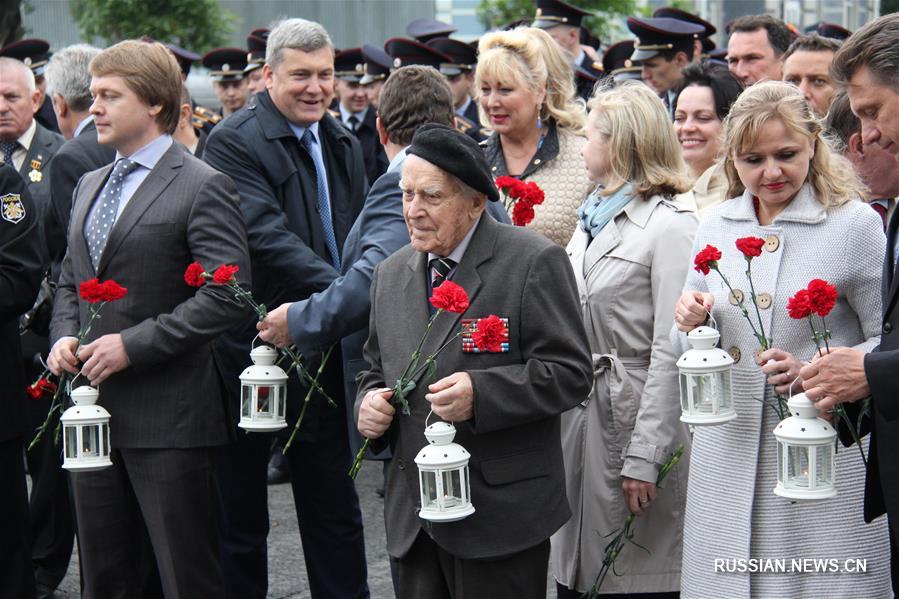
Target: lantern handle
column 712, row 322
column 428, row 417
column 72, row 382
column 253, row 342
column 790, row 390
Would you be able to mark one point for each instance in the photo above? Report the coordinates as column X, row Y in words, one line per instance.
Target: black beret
column 455, row 153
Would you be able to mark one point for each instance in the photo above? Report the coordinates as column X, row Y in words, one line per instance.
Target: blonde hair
column 530, row 57
column 643, row 148
column 831, row 176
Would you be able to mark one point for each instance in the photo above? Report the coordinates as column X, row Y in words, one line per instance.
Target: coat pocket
column 514, row 468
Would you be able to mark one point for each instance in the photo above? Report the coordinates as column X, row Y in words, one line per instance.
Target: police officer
column 255, row 59
column 460, row 74
column 617, row 63
column 229, row 79
column 424, row 30
column 35, row 53
column 21, row 269
column 563, row 23
column 664, row 46
column 376, row 65
column 704, row 43
column 355, row 112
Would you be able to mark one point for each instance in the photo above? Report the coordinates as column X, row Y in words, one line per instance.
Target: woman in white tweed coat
column 795, row 197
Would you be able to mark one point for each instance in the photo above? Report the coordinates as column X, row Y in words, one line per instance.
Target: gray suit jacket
column 170, row 395
column 517, row 480
column 44, row 146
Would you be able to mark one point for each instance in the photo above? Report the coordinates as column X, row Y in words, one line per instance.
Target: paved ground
column 287, row 570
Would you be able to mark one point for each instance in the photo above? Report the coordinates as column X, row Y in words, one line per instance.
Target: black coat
column 372, row 151
column 46, row 117
column 36, row 166
column 882, row 483
column 77, row 156
column 21, row 268
column 275, row 178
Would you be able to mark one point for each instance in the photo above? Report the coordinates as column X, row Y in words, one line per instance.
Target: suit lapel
column 607, row 240
column 82, row 208
column 147, row 193
column 890, row 280
column 35, row 152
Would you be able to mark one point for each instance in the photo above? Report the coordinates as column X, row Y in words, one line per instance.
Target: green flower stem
column 296, row 428
column 743, row 309
column 766, row 343
column 615, row 546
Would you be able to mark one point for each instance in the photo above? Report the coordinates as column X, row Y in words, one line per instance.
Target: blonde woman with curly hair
column 527, row 99
column 790, row 189
column 630, row 253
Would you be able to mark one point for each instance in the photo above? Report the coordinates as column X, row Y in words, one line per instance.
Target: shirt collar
column 26, row 138
column 346, row 114
column 461, row 110
column 397, row 161
column 150, row 154
column 459, row 251
column 84, row 123
column 804, row 208
column 549, row 149
column 299, row 131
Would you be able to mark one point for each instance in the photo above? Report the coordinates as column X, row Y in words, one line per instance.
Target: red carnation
column 707, row 259
column 40, row 386
column 224, row 273
column 750, row 246
column 822, row 297
column 193, row 276
column 798, row 306
column 506, row 183
column 450, row 297
column 91, row 291
column 490, row 333
column 534, row 194
column 522, row 213
column 111, row 291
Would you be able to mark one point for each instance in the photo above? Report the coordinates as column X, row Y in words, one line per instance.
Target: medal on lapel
column 489, row 335
column 35, row 175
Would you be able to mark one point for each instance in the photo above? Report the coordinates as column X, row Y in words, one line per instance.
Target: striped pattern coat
column 732, row 513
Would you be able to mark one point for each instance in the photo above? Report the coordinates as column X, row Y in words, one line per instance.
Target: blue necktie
column 105, row 210
column 324, row 205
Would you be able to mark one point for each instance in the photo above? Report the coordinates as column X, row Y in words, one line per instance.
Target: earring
column 539, row 120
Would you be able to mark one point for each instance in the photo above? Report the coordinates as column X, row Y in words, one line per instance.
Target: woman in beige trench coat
column 630, row 254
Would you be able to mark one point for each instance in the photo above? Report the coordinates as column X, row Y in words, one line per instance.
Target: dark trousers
column 171, row 492
column 563, row 592
column 429, row 571
column 16, row 574
column 327, row 508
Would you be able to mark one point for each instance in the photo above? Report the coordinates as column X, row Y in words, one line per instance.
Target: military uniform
column 425, row 30
column 348, row 67
column 617, row 63
column 464, row 60
column 553, row 13
column 35, row 53
column 226, row 66
column 708, row 44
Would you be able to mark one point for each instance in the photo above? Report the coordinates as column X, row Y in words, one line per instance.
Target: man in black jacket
column 302, row 182
column 865, row 65
column 21, row 267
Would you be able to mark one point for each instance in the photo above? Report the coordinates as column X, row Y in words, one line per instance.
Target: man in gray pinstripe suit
column 141, row 221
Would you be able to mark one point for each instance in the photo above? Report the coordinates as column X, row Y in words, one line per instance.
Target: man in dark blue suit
column 302, row 183
column 412, row 96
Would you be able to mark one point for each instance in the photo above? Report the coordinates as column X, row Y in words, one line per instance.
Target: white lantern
column 85, row 432
column 805, row 453
column 705, row 390
column 443, row 476
column 263, row 392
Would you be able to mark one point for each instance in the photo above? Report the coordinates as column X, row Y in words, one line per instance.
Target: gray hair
column 295, row 34
column 11, row 63
column 68, row 75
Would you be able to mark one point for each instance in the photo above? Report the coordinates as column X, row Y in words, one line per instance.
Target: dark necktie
column 882, row 211
column 440, row 270
column 8, row 148
column 354, row 123
column 105, row 210
column 324, row 205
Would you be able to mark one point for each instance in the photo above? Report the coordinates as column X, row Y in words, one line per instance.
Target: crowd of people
column 346, row 188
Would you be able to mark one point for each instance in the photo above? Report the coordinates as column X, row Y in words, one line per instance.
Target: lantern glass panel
column 780, row 463
column 452, row 488
column 429, row 489
column 797, row 467
column 279, row 401
column 71, row 441
column 246, row 402
column 264, row 395
column 104, row 439
column 90, row 439
column 823, row 465
column 711, row 392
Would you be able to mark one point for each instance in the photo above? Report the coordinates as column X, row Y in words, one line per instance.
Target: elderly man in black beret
column 505, row 404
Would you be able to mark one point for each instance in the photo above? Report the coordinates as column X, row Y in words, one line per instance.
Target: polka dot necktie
column 104, row 213
column 8, row 148
column 324, row 204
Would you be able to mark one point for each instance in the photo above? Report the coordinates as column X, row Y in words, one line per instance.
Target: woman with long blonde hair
column 629, row 253
column 788, row 188
column 527, row 99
